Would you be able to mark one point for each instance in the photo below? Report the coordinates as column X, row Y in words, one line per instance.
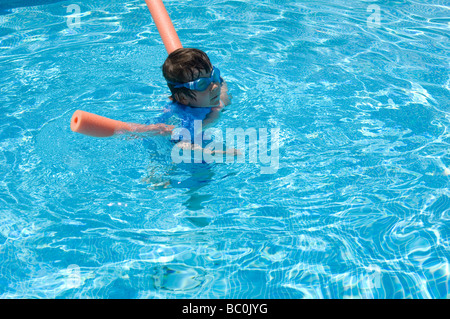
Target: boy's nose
column 214, row 85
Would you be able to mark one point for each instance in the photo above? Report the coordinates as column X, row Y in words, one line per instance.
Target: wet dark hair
column 184, row 65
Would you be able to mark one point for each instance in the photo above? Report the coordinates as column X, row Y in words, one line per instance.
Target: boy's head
column 185, row 65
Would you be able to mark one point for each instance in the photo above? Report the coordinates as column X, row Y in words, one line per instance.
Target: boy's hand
column 161, row 129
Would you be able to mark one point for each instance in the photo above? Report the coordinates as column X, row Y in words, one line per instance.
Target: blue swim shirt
column 186, row 114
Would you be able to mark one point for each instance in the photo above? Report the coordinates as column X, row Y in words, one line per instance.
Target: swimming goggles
column 200, row 84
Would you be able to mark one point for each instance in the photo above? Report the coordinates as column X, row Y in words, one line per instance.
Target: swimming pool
column 358, row 208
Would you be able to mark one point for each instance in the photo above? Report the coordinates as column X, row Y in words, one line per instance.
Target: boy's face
column 207, row 98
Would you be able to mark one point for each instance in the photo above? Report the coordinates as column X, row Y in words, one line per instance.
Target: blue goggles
column 200, row 84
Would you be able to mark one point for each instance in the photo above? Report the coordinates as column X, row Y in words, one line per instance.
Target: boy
column 198, row 92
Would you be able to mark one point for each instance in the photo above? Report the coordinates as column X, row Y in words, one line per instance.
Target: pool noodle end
column 95, row 125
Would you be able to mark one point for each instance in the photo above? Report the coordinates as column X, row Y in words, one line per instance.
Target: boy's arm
column 225, row 98
column 160, row 128
column 190, row 146
column 211, row 117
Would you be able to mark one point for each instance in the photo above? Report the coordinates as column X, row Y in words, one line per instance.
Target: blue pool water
column 358, row 208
